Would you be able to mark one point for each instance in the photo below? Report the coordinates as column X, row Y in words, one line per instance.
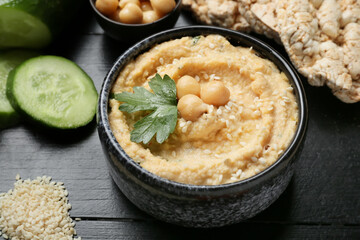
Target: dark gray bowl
column 192, row 205
column 134, row 32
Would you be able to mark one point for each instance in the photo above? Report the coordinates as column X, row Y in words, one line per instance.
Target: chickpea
column 131, row 13
column 163, row 6
column 145, row 6
column 187, row 85
column 191, row 107
column 150, row 16
column 123, row 3
column 115, row 16
column 106, row 7
column 215, row 93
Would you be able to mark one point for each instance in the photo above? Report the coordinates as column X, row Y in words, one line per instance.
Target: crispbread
column 322, row 37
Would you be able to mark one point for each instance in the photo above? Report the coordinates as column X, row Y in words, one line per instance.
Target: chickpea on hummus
column 234, row 134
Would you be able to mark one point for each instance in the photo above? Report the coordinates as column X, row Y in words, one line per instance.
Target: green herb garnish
column 195, row 40
column 162, row 102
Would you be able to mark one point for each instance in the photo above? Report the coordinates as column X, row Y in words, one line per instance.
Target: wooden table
column 322, row 201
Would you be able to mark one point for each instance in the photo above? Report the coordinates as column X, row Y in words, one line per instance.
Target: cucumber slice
column 20, row 29
column 53, row 91
column 8, row 61
column 33, row 24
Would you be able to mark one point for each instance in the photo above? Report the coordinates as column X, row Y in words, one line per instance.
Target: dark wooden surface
column 322, row 201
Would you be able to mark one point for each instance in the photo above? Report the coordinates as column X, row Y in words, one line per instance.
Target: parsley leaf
column 162, row 121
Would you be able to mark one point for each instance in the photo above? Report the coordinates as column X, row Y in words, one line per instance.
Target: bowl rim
column 166, row 185
column 135, row 25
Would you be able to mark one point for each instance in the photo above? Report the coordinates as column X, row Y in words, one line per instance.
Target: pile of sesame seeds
column 36, row 209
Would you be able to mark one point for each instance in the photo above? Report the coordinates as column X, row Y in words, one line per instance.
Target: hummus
column 227, row 143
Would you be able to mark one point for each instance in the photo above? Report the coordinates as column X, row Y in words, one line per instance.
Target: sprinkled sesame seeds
column 211, row 45
column 161, row 60
column 197, row 78
column 254, row 159
column 218, row 111
column 232, row 117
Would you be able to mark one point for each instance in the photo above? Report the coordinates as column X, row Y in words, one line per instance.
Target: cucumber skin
column 10, row 119
column 53, row 13
column 25, row 116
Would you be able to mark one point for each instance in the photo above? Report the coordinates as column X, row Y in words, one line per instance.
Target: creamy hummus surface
column 227, row 143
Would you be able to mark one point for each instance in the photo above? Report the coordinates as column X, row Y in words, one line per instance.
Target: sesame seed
column 218, row 111
column 254, row 159
column 207, row 151
column 232, row 117
column 280, row 152
column 161, row 60
column 257, row 170
column 240, row 109
column 228, row 135
column 184, row 129
column 197, row 78
column 220, row 178
column 182, row 124
column 257, row 112
column 243, row 144
column 243, row 58
column 211, row 45
column 262, row 160
column 206, row 76
column 217, row 78
column 275, row 92
column 270, row 108
column 289, row 89
column 250, row 49
column 239, row 172
column 227, row 123
column 282, row 103
column 227, row 107
column 233, row 179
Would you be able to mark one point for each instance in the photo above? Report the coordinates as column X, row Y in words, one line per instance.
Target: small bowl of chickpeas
column 132, row 20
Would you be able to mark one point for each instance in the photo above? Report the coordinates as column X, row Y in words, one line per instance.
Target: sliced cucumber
column 20, row 29
column 8, row 61
column 53, row 91
column 33, row 24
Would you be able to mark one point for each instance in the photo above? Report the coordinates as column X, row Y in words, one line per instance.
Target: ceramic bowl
column 133, row 32
column 193, row 205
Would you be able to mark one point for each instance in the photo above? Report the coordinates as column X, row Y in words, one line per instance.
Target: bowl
column 133, row 32
column 200, row 205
